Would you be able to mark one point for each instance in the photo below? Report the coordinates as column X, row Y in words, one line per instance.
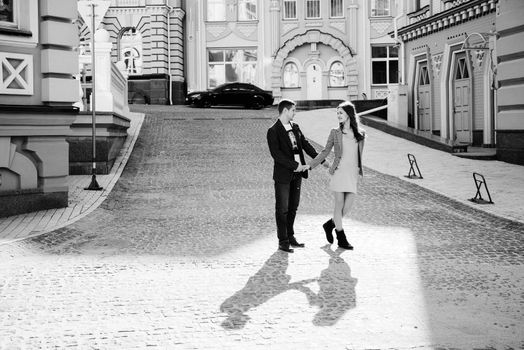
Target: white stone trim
column 15, row 74
column 440, row 23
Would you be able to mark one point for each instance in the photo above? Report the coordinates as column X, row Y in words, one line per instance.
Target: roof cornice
column 458, row 14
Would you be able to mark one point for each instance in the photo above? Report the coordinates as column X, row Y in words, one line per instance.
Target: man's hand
column 326, row 164
column 301, row 168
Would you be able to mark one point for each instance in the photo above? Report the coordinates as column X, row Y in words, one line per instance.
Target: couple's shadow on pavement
column 335, row 297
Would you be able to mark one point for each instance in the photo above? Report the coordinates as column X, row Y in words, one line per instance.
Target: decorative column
column 274, row 14
column 353, row 25
column 104, row 96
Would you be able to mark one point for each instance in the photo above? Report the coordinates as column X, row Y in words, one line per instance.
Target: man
column 286, row 145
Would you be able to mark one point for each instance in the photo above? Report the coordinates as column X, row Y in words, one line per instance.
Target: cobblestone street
column 182, row 255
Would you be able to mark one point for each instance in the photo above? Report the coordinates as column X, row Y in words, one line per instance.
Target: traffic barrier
column 412, row 174
column 479, row 181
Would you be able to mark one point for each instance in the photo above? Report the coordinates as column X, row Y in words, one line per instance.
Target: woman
column 348, row 142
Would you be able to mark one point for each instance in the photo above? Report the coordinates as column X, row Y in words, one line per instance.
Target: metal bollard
column 412, row 174
column 479, row 181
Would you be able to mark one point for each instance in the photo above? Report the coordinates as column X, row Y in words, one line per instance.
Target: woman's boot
column 342, row 241
column 328, row 228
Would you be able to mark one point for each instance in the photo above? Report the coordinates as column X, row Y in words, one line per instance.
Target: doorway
column 424, row 98
column 461, row 100
column 314, row 82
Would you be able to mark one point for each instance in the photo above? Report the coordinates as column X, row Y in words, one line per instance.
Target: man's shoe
column 285, row 249
column 328, row 228
column 293, row 242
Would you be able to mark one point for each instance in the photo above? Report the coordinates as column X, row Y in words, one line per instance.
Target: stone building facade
column 304, row 50
column 148, row 43
column 464, row 72
column 510, row 78
column 37, row 93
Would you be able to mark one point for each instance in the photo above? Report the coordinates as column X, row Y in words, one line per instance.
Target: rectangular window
column 290, row 9
column 380, row 8
column 7, row 16
column 384, row 65
column 231, row 65
column 337, row 9
column 247, row 10
column 216, row 10
column 312, row 9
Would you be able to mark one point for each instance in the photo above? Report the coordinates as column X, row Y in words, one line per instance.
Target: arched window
column 336, row 74
column 290, row 77
column 131, row 51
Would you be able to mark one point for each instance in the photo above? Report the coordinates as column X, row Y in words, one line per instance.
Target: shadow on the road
column 337, row 290
column 335, row 297
column 270, row 281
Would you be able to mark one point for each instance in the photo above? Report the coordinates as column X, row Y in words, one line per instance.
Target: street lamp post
column 93, row 186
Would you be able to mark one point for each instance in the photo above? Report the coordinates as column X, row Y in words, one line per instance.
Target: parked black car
column 230, row 94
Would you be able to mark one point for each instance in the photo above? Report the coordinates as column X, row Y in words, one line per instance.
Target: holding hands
column 301, row 168
column 307, row 167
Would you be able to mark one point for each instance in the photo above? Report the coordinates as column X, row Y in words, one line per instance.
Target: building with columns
column 304, row 50
column 463, row 67
column 37, row 93
column 148, row 43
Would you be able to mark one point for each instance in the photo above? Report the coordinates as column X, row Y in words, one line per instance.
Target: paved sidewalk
column 442, row 172
column 81, row 202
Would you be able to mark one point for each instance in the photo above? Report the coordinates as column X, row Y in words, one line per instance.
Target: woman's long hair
column 354, row 122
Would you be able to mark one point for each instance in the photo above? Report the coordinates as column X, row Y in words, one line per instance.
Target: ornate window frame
column 330, row 64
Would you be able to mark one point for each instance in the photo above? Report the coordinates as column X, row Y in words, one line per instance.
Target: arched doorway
column 423, row 97
column 343, row 50
column 461, row 85
column 314, row 82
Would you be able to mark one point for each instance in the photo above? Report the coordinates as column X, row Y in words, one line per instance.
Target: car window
column 247, row 87
column 244, row 88
column 255, row 88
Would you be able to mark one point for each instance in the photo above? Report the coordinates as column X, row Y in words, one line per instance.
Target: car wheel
column 204, row 103
column 257, row 103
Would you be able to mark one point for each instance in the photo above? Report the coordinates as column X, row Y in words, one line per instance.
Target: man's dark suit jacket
column 282, row 151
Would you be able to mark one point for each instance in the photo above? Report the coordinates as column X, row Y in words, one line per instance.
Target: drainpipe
column 169, row 54
column 402, row 46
